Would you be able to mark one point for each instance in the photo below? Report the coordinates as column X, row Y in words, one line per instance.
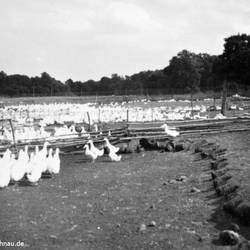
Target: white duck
column 96, row 127
column 89, row 153
column 7, row 135
column 114, row 157
column 49, row 160
column 56, row 162
column 41, row 157
column 18, row 167
column 5, row 169
column 36, row 150
column 30, row 163
column 26, row 154
column 110, row 146
column 35, row 168
column 35, row 173
column 44, row 149
column 95, row 150
column 170, row 131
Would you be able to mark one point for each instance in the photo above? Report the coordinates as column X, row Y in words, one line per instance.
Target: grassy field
column 102, row 205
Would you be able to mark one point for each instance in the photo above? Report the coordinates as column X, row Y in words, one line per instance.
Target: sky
column 89, row 39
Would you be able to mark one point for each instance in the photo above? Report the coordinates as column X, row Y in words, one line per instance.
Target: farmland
column 102, row 205
column 137, row 203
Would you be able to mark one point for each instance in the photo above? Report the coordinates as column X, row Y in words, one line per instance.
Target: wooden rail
column 142, row 130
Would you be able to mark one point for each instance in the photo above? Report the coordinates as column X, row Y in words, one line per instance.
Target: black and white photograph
column 125, row 124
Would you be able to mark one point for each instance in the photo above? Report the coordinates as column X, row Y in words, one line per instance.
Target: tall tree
column 234, row 63
column 185, row 72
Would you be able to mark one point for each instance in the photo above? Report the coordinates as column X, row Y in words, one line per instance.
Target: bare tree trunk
column 224, row 98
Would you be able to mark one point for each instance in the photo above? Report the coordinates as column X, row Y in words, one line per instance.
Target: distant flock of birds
column 113, row 112
column 31, row 133
column 31, row 166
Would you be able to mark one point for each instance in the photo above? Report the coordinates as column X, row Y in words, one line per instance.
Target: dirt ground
column 102, row 205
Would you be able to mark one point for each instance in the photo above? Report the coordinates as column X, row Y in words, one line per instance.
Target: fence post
column 127, row 117
column 88, row 120
column 13, row 134
column 192, row 106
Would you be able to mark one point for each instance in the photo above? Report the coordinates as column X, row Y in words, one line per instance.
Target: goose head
column 86, row 147
column 7, row 154
column 164, row 126
column 36, row 149
column 32, row 154
column 50, row 151
column 20, row 154
column 96, row 127
column 57, row 151
column 45, row 145
column 90, row 142
column 26, row 149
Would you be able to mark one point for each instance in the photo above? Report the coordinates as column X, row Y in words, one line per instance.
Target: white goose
column 114, row 157
column 5, row 169
column 18, row 167
column 89, row 153
column 35, row 173
column 30, row 163
column 41, row 157
column 26, row 154
column 96, row 127
column 34, row 167
column 56, row 162
column 49, row 160
column 170, row 131
column 110, row 146
column 95, row 150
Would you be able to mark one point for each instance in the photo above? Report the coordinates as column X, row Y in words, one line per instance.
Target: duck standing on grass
column 41, row 157
column 34, row 167
column 18, row 168
column 30, row 163
column 35, row 174
column 94, row 149
column 114, row 157
column 110, row 146
column 56, row 162
column 112, row 151
column 89, row 153
column 49, row 160
column 5, row 169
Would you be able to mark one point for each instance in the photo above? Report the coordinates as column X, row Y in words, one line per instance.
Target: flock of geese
column 136, row 111
column 93, row 152
column 31, row 166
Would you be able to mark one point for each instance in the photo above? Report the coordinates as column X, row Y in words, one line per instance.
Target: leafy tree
column 234, row 63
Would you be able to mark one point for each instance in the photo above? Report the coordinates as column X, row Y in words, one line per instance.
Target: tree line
column 187, row 72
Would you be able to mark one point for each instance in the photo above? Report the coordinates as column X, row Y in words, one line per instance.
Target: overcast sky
column 88, row 39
